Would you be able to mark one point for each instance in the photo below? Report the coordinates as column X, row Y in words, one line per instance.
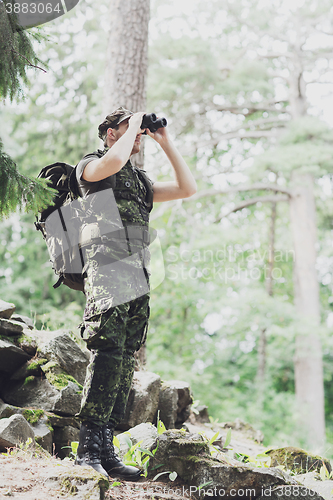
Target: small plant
column 160, row 426
column 324, row 474
column 136, row 456
column 172, row 475
column 260, row 460
column 213, row 450
column 194, row 406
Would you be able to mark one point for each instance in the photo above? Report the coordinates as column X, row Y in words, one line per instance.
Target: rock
column 200, row 415
column 167, row 405
column 188, row 455
column 14, row 431
column 24, row 319
column 63, row 437
column 7, row 411
column 65, row 352
column 11, row 356
column 38, row 479
column 27, row 342
column 33, row 392
column 59, row 421
column 39, row 393
column 69, row 401
column 10, row 327
column 147, row 433
column 31, row 367
column 6, row 309
column 43, row 434
column 174, row 403
column 245, row 428
column 81, row 482
column 297, row 460
column 310, row 481
column 142, row 401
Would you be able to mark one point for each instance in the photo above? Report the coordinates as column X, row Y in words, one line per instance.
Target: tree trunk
column 126, row 71
column 127, row 58
column 271, row 249
column 309, row 382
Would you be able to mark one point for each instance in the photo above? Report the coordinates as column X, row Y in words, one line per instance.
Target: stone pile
column 41, row 379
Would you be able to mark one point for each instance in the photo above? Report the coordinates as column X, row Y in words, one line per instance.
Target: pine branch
column 20, row 192
column 29, row 63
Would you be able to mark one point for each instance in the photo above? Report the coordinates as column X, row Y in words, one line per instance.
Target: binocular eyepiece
column 151, row 122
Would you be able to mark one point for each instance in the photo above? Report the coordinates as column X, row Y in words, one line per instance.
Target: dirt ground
column 24, row 476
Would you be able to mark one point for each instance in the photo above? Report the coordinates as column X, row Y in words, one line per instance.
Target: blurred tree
column 256, row 102
column 127, row 59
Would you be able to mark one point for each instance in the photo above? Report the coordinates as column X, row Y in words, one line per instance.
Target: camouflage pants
column 112, row 336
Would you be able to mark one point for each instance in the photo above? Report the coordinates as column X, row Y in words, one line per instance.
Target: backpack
column 58, row 221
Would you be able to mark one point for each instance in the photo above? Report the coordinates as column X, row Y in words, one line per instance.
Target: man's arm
column 118, row 154
column 184, row 184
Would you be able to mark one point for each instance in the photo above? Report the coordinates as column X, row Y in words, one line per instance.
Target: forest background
column 224, row 317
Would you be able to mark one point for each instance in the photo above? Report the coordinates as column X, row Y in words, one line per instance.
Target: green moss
column 48, row 366
column 60, row 380
column 69, row 486
column 297, row 460
column 29, row 380
column 23, row 338
column 33, row 416
column 34, row 365
column 70, row 483
column 210, row 462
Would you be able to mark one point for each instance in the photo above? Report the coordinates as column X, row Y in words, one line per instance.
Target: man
column 116, row 279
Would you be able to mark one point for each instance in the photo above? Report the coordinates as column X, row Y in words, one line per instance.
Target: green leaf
column 228, row 438
column 324, row 474
column 127, row 440
column 74, row 446
column 157, row 466
column 204, row 484
column 115, row 483
column 130, row 462
column 116, row 442
column 155, row 450
column 144, row 450
column 173, row 475
column 214, row 438
column 160, row 428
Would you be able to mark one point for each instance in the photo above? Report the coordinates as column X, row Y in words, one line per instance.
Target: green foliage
column 20, row 191
column 33, row 416
column 17, row 54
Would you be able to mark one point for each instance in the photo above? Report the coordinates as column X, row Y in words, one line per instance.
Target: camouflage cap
column 112, row 120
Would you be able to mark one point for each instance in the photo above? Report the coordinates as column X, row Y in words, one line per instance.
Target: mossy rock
column 297, row 460
column 31, row 368
column 82, row 482
column 188, row 455
column 58, row 377
column 32, row 415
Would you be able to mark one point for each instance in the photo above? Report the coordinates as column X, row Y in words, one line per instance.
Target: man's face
column 123, row 126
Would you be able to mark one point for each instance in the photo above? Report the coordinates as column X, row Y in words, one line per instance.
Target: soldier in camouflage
column 119, row 197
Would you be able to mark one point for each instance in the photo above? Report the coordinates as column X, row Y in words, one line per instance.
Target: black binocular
column 151, row 122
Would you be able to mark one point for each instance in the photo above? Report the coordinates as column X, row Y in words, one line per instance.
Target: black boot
column 111, row 462
column 90, row 445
